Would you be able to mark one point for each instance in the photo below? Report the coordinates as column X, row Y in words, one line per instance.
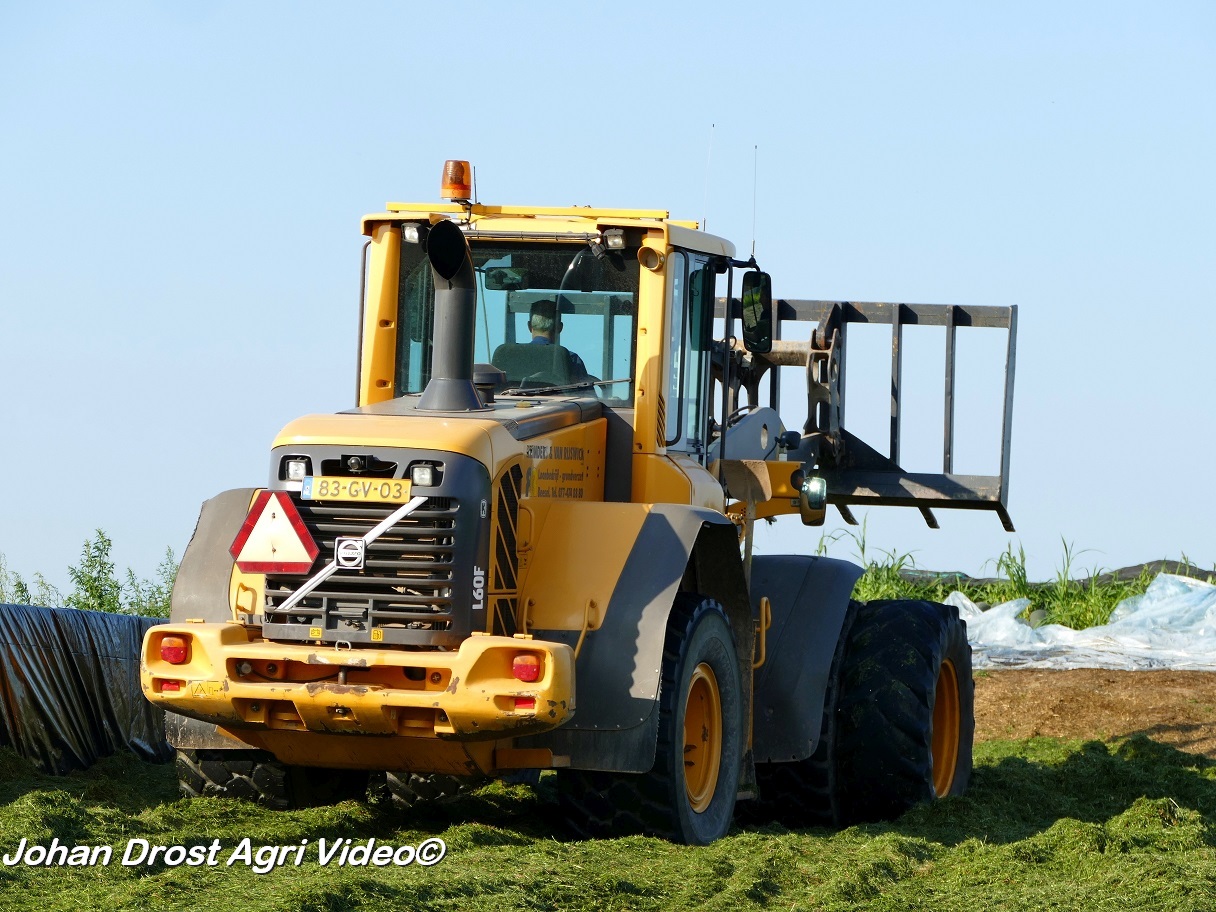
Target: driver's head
column 542, row 317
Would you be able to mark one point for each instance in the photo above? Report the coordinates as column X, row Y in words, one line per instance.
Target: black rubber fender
column 809, row 598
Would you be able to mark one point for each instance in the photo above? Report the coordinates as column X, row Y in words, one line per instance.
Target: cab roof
column 556, row 221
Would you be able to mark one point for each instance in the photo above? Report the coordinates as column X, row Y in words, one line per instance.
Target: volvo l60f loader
column 529, row 546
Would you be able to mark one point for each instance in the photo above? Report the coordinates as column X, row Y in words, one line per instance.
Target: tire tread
column 256, row 776
column 599, row 804
column 874, row 757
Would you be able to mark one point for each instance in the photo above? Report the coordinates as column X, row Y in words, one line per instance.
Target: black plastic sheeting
column 69, row 688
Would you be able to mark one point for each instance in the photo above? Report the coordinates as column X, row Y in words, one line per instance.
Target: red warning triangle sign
column 273, row 538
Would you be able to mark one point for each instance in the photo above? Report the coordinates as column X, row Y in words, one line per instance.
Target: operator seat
column 546, row 365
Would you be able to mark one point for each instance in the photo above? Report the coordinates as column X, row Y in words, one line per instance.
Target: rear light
column 170, row 685
column 525, row 703
column 526, row 667
column 173, row 649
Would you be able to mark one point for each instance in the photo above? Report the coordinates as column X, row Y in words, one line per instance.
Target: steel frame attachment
column 856, row 472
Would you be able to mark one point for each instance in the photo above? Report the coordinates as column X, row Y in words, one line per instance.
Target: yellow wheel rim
column 946, row 715
column 702, row 737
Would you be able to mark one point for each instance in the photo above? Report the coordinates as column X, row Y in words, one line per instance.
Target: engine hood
column 472, row 437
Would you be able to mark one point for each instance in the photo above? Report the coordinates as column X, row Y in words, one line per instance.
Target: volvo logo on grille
column 348, row 552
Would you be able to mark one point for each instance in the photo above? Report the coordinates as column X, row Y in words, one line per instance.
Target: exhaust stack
column 451, row 386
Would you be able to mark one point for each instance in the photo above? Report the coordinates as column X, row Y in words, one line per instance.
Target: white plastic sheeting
column 1173, row 625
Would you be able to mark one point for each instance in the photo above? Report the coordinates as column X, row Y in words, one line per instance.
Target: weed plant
column 1073, row 602
column 96, row 585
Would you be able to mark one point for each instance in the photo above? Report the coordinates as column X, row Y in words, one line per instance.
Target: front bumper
column 242, row 683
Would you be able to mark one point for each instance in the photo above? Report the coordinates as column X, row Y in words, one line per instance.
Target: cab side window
column 691, row 285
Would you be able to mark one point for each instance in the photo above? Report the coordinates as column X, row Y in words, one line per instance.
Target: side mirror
column 504, row 278
column 757, row 312
column 813, row 500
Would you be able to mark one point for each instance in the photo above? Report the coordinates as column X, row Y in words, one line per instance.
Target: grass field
column 1046, row 825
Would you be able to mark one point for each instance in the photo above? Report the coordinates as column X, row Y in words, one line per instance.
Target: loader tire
column 905, row 710
column 689, row 794
column 256, row 776
column 409, row 790
column 898, row 722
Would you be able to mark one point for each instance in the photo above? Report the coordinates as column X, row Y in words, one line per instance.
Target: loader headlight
column 297, row 469
column 425, row 475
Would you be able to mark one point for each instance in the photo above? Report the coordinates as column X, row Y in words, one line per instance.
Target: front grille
column 406, row 584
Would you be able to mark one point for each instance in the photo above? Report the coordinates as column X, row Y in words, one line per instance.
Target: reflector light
column 526, row 667
column 457, row 181
column 174, row 650
column 170, row 685
column 525, row 703
column 273, row 538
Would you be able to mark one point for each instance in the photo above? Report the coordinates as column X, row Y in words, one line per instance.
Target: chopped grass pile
column 1046, row 824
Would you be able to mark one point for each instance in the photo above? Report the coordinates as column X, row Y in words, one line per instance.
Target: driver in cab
column 544, row 323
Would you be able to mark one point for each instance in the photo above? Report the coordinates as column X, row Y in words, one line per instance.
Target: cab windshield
column 548, row 314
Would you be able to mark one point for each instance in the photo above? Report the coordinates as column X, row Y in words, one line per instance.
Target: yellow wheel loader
column 529, row 546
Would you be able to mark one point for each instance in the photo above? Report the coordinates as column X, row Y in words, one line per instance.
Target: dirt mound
column 1174, row 707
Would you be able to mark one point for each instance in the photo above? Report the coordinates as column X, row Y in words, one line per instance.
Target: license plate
column 376, row 490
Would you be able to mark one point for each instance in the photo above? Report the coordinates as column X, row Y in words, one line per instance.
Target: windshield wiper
column 586, row 384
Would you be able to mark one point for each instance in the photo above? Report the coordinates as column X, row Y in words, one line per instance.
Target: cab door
column 692, row 281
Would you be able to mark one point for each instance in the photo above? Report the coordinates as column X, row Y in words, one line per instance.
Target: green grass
column 1046, row 824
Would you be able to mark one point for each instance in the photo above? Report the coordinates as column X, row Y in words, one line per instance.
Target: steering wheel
column 738, row 413
column 538, row 380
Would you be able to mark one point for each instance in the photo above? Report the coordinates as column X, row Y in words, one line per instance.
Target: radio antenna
column 708, row 159
column 755, row 170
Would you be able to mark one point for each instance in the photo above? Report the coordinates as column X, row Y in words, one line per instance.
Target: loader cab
column 588, row 298
column 633, row 295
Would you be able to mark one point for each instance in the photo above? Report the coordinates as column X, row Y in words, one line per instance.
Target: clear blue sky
column 181, row 183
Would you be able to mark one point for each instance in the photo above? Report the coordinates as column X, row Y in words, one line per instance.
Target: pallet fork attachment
column 856, row 472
